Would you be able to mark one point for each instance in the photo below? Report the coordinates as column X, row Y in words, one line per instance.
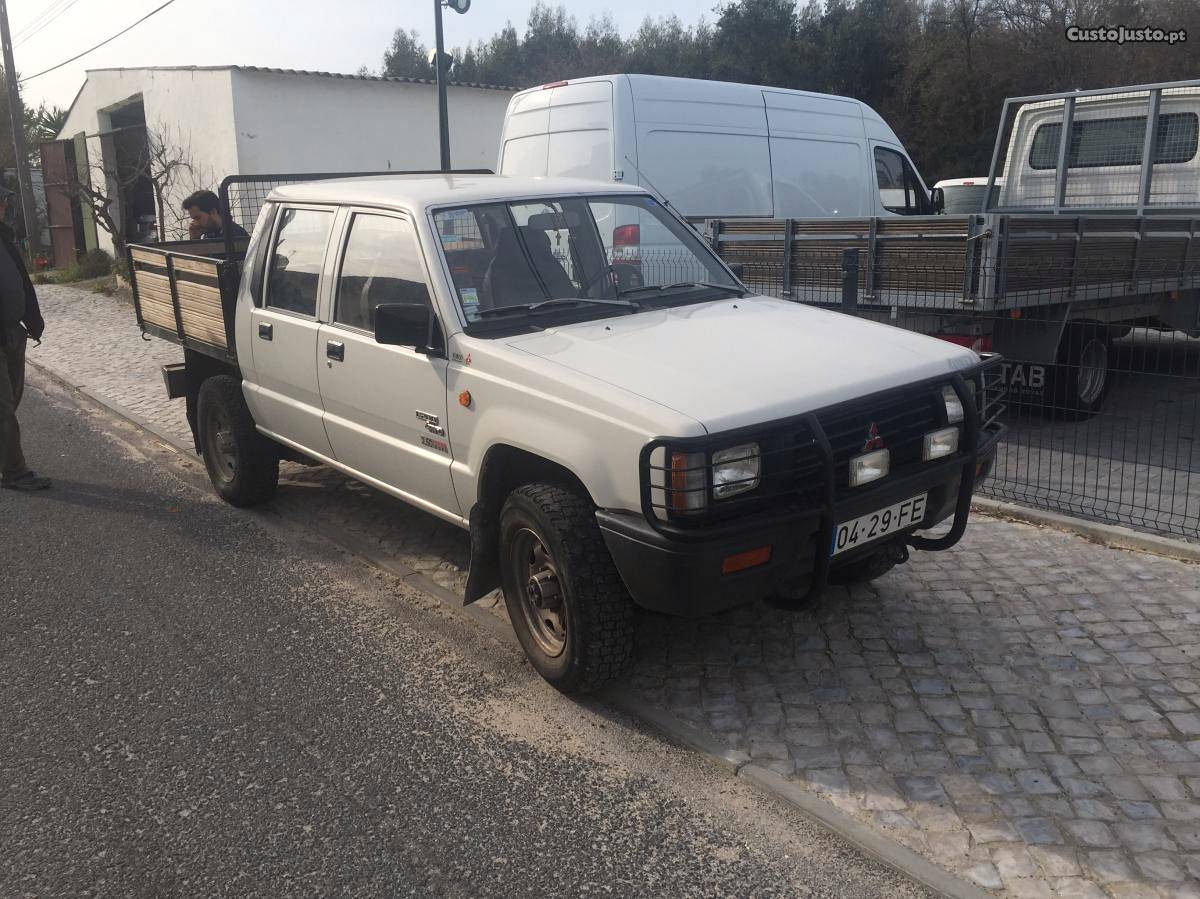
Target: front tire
column 568, row 606
column 242, row 464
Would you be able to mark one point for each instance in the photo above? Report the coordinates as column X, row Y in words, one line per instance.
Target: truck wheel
column 566, row 600
column 1080, row 380
column 242, row 464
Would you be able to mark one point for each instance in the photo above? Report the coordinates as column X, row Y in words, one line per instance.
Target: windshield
column 600, row 256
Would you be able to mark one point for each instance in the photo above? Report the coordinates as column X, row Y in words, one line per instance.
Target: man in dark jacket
column 205, row 221
column 20, row 319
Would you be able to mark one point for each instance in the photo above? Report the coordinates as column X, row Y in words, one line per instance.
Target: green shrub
column 93, row 264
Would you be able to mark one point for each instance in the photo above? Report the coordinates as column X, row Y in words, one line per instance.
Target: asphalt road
column 195, row 701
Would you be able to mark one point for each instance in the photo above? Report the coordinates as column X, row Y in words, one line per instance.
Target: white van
column 715, row 149
column 964, row 196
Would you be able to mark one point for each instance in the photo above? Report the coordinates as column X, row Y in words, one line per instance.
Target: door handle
column 265, row 331
column 335, row 350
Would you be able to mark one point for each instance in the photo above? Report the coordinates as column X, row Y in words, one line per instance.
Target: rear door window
column 298, row 254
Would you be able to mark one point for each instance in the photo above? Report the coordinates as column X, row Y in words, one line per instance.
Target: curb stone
column 1111, row 535
column 737, row 762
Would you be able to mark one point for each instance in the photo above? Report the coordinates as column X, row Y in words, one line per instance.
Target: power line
column 50, row 21
column 37, row 19
column 107, row 40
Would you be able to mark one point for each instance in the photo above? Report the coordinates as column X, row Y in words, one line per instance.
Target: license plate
column 878, row 524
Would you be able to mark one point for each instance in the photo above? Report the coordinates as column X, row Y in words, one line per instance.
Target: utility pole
column 440, row 62
column 16, row 112
column 460, row 7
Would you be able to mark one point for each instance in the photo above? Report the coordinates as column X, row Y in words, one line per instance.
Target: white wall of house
column 233, row 120
column 314, row 123
column 191, row 107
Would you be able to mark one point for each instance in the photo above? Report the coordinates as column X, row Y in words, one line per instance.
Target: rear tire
column 242, row 464
column 1080, row 381
column 568, row 605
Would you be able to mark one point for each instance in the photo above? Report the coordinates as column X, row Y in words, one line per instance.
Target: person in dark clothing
column 20, row 319
column 204, row 218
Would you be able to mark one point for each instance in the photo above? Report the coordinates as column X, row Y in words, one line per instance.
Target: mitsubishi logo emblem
column 874, row 441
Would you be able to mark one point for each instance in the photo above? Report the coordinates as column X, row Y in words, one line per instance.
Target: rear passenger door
column 385, row 406
column 285, row 396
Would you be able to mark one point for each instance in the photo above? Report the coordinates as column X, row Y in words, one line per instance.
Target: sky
column 293, row 34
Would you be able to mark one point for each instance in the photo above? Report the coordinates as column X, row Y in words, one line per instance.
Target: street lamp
column 460, row 7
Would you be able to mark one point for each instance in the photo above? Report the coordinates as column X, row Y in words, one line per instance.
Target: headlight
column 735, row 470
column 869, row 467
column 939, row 444
column 954, row 409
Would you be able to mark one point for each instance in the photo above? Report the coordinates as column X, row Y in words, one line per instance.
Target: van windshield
column 573, row 256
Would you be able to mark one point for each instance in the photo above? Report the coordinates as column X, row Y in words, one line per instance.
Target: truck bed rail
column 184, row 292
column 966, row 262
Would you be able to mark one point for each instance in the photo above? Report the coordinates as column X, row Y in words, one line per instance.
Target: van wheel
column 1079, row 382
column 242, row 464
column 567, row 603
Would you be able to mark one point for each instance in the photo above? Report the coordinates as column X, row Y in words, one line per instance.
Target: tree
column 43, row 124
column 755, row 42
column 407, row 57
column 158, row 160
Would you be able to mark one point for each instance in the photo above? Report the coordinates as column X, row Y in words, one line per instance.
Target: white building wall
column 189, row 108
column 242, row 121
column 314, row 123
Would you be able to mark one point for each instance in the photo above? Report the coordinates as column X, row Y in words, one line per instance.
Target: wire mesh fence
column 1098, row 320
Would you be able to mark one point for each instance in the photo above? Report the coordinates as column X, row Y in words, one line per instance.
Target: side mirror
column 937, row 199
column 737, row 268
column 406, row 324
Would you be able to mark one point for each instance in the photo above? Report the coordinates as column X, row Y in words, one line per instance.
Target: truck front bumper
column 688, row 578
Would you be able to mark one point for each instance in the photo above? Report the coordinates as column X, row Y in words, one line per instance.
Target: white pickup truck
column 462, row 342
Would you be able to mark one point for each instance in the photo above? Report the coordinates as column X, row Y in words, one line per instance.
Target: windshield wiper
column 728, row 288
column 555, row 304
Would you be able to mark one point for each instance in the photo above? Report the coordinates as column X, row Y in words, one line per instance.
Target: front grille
column 901, row 420
column 793, row 467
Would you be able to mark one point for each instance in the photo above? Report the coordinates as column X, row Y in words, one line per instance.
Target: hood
column 736, row 362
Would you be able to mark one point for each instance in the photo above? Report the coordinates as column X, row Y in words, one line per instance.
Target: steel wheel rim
column 1093, row 370
column 541, row 596
column 219, row 443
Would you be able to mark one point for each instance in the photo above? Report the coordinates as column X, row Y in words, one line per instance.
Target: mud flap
column 483, row 573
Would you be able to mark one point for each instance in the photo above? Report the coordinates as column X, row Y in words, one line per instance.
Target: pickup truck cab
column 463, row 343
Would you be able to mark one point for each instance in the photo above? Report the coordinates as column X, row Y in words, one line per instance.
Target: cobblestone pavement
column 92, row 341
column 1024, row 709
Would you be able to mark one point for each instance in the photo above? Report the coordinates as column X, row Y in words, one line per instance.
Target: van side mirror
column 937, row 199
column 737, row 268
column 406, row 324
